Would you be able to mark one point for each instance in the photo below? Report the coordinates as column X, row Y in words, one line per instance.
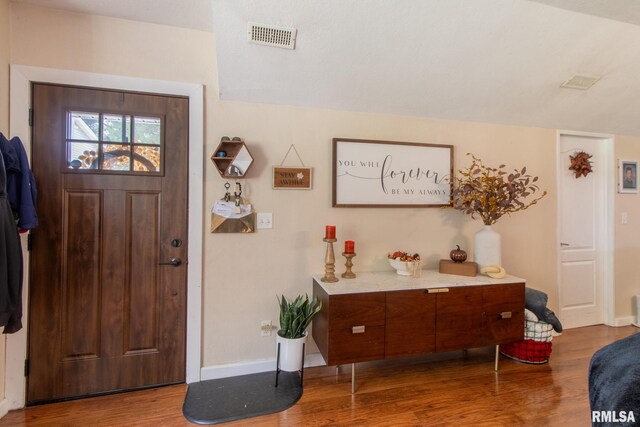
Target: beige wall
column 4, row 122
column 4, row 65
column 244, row 273
column 627, row 236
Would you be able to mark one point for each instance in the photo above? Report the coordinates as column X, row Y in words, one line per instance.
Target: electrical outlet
column 265, row 328
column 624, row 218
column 265, row 220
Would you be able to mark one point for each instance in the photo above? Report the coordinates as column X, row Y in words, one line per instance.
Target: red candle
column 330, row 232
column 349, row 246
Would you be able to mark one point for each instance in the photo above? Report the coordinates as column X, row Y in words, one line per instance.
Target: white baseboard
column 4, row 407
column 625, row 321
column 244, row 368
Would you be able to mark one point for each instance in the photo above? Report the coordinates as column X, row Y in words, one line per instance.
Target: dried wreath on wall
column 580, row 164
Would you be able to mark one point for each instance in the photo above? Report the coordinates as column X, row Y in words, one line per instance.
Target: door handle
column 564, row 244
column 173, row 261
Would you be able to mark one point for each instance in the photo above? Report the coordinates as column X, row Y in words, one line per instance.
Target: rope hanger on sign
column 297, row 154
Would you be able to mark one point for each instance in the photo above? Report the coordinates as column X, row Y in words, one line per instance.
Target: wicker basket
column 536, row 346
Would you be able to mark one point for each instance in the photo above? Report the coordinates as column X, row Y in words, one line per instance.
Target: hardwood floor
column 443, row 389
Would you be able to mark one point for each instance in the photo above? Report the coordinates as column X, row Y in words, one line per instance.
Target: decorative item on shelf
column 330, row 232
column 233, row 214
column 494, row 271
column 487, row 248
column 330, row 258
column 490, row 193
column 467, row 268
column 292, row 178
column 349, row 253
column 580, row 164
column 295, row 317
column 232, row 157
column 458, row 255
column 417, row 268
column 404, row 263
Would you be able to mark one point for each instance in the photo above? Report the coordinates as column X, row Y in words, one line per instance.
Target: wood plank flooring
column 443, row 389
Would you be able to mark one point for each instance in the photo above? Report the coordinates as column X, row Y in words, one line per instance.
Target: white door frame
column 21, row 78
column 608, row 297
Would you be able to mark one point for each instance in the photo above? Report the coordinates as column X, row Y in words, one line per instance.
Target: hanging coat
column 10, row 262
column 21, row 186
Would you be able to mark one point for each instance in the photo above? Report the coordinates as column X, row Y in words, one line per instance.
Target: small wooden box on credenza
column 459, row 268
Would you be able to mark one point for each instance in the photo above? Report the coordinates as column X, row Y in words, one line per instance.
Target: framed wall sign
column 627, row 176
column 391, row 174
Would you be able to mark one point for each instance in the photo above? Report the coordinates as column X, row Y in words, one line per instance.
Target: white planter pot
column 290, row 352
column 486, row 248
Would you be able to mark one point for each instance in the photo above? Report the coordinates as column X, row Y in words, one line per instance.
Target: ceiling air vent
column 271, row 35
column 580, row 81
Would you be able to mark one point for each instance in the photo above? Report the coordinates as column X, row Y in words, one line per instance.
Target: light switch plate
column 265, row 220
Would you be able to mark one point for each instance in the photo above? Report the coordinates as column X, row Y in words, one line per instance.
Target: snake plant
column 296, row 315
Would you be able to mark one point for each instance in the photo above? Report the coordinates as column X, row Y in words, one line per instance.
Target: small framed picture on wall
column 627, row 176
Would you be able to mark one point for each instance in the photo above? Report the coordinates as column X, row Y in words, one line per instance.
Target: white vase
column 486, row 248
column 291, row 352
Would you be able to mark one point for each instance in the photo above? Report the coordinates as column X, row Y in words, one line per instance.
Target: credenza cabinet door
column 459, row 318
column 410, row 323
column 503, row 311
column 356, row 328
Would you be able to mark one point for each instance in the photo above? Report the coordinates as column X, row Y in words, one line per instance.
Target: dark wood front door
column 107, row 289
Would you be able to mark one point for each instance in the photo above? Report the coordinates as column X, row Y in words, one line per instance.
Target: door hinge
column 26, row 367
column 29, row 241
column 30, row 116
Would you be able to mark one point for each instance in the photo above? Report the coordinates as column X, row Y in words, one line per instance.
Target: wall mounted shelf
column 232, row 158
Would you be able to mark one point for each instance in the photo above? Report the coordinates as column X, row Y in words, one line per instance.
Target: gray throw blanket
column 536, row 302
column 614, row 381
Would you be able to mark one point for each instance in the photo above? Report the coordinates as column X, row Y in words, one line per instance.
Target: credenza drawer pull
column 357, row 330
column 505, row 315
column 437, row 290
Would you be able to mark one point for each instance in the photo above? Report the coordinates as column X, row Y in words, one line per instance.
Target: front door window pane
column 83, row 126
column 82, row 155
column 104, row 141
column 147, row 130
column 146, row 159
column 116, row 157
column 116, row 128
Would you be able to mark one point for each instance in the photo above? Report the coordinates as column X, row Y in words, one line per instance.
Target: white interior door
column 581, row 205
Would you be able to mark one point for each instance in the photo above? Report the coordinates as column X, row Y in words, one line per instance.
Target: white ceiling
column 496, row 61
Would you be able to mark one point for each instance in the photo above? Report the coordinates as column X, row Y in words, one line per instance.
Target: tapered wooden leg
column 497, row 357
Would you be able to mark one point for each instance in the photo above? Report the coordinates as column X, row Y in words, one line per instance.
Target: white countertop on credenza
column 382, row 281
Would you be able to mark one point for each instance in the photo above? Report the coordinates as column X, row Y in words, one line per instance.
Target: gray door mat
column 228, row 399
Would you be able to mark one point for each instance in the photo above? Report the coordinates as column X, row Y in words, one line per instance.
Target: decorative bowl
column 403, row 268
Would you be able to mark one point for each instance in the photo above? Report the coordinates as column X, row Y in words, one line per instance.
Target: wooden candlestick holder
column 348, row 274
column 329, row 263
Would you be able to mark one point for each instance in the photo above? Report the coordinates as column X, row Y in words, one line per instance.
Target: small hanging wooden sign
column 292, row 178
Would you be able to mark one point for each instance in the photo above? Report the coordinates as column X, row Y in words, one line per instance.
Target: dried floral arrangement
column 580, row 164
column 490, row 193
